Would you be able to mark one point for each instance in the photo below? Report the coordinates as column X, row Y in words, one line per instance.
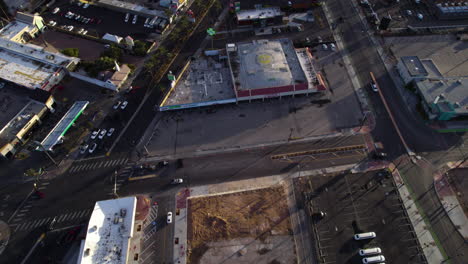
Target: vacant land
column 250, row 226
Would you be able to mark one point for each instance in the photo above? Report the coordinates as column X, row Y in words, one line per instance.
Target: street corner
column 181, row 198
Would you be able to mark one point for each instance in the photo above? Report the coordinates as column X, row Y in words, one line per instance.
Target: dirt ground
column 259, row 215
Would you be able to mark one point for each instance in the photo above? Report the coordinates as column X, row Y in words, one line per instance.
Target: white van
column 374, row 259
column 370, row 251
column 362, row 236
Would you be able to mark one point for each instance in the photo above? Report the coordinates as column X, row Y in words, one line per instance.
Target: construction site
column 242, row 227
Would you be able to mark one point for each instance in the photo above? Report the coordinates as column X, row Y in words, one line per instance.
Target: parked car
column 110, row 132
column 95, row 133
column 86, row 5
column 169, row 217
column 127, row 17
column 79, row 3
column 332, row 47
column 409, row 12
column 116, row 106
column 177, row 181
column 92, row 148
column 52, row 23
column 420, row 16
column 80, row 30
column 102, row 134
column 83, row 148
column 135, row 18
column 124, row 104
column 146, row 22
column 56, row 10
column 84, row 32
column 70, row 28
column 324, row 47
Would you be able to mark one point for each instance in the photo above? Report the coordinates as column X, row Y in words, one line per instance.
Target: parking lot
column 408, row 13
column 358, row 203
column 102, row 21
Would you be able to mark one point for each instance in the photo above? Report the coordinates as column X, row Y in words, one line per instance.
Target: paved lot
column 459, row 183
column 111, row 21
column 449, row 54
column 356, row 203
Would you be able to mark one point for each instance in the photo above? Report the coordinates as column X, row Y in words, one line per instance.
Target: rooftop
column 266, row 63
column 134, row 7
column 119, row 76
column 63, row 125
column 258, row 13
column 14, row 28
column 110, row 230
column 29, row 108
column 450, row 95
column 414, row 66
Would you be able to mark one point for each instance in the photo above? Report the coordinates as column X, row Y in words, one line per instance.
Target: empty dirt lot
column 243, row 227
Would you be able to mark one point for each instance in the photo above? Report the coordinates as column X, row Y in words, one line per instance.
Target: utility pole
column 45, row 151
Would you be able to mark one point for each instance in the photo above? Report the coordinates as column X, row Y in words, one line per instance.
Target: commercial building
column 24, row 28
column 413, row 69
column 21, row 110
column 113, row 233
column 444, row 99
column 271, row 68
column 294, row 4
column 260, row 16
column 135, row 9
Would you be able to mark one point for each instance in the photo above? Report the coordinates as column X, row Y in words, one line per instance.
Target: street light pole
column 45, row 151
column 115, row 184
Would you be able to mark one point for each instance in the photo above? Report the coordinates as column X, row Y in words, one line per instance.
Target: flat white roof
column 34, row 52
column 110, row 230
column 260, row 13
column 14, row 28
column 134, row 7
column 29, row 73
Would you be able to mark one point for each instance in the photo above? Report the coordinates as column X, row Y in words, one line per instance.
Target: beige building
column 24, row 28
column 21, row 110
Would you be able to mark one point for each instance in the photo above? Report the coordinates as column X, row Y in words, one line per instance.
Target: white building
column 110, row 232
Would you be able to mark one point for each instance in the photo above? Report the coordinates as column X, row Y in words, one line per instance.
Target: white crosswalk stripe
column 26, row 226
column 61, row 217
column 73, row 169
column 82, row 213
column 45, row 183
column 75, row 214
column 37, row 223
column 107, row 163
column 100, row 164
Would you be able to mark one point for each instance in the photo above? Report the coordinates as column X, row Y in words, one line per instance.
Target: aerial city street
column 233, row 131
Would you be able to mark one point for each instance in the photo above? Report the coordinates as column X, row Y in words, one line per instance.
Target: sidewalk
column 449, row 200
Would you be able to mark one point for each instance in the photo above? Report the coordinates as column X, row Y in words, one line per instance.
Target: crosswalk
column 69, row 218
column 94, row 165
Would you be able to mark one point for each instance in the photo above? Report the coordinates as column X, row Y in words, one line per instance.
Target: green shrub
column 72, row 52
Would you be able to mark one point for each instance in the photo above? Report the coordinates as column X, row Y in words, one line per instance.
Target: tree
column 101, row 64
column 113, row 52
column 140, row 48
column 72, row 52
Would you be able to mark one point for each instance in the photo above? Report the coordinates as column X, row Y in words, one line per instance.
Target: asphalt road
column 419, row 137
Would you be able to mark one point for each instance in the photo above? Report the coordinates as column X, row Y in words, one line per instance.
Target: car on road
column 135, row 18
column 177, row 181
column 110, row 132
column 374, row 86
column 95, row 133
column 83, row 148
column 127, row 17
column 124, row 104
column 116, row 106
column 102, row 134
column 324, row 47
column 92, row 148
column 56, row 10
column 169, row 217
column 332, row 47
column 86, row 5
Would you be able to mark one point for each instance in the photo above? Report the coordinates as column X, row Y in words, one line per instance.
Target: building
column 21, row 110
column 119, row 76
column 24, row 28
column 113, row 233
column 135, row 9
column 451, row 10
column 271, row 68
column 444, row 99
column 284, row 4
column 260, row 16
column 112, row 38
column 413, row 69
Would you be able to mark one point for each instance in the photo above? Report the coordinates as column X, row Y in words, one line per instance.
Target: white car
column 332, row 47
column 110, row 132
column 127, row 17
column 135, row 18
column 124, row 104
column 79, row 3
column 56, row 10
column 92, row 148
column 84, row 32
column 102, row 134
column 117, row 105
column 146, row 22
column 177, row 181
column 95, row 133
column 80, row 31
column 86, row 5
column 420, row 16
column 70, row 28
column 409, row 12
column 83, row 148
column 374, row 87
column 52, row 23
column 169, row 217
column 324, row 47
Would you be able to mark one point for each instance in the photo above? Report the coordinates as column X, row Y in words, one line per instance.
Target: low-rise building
column 114, row 232
column 413, row 69
column 21, row 110
column 444, row 99
column 24, row 28
column 260, row 16
column 119, row 76
column 451, row 10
